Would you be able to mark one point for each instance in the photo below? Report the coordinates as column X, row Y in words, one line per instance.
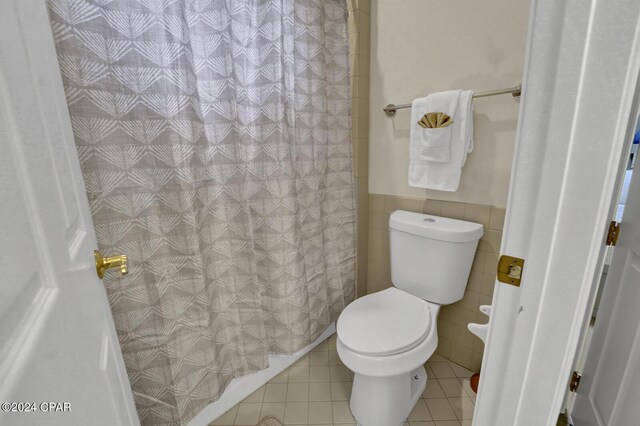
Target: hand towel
column 442, row 176
column 434, row 143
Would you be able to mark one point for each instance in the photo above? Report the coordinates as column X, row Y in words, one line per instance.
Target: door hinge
column 510, row 270
column 613, row 234
column 575, row 381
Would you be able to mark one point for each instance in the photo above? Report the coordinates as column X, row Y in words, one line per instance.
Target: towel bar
column 391, row 109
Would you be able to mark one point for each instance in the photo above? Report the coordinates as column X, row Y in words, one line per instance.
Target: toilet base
column 384, row 401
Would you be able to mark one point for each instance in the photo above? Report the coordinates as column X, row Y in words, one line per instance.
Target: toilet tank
column 431, row 256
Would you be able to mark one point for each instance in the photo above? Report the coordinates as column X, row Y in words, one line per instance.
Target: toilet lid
column 384, row 323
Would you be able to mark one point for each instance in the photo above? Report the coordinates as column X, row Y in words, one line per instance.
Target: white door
column 60, row 362
column 609, row 391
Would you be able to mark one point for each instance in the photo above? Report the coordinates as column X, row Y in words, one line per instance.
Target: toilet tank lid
column 436, row 227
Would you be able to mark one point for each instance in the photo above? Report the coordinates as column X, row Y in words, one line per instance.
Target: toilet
column 386, row 337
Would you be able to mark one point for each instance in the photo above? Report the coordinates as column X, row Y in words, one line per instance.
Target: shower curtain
column 214, row 139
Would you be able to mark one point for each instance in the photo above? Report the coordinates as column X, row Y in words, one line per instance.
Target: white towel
column 426, row 166
column 434, row 144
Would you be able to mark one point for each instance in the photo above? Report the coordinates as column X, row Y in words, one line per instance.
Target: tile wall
column 359, row 38
column 455, row 342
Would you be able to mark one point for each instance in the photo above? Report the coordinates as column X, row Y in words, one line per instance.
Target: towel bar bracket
column 390, row 110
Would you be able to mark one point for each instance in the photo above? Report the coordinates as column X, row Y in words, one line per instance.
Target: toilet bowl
column 386, row 337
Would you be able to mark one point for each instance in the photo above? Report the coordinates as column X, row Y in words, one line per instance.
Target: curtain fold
column 214, row 140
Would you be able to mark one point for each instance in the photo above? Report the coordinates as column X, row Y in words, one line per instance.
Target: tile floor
column 316, row 389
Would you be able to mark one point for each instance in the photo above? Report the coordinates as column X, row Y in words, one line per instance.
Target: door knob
column 104, row 263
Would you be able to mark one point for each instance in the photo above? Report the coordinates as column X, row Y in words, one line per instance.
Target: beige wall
column 359, row 36
column 423, row 46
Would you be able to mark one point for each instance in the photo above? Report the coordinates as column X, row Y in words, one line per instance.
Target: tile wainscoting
column 455, row 342
column 359, row 41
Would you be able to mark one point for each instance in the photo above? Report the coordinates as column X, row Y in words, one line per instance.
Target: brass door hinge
column 613, row 234
column 575, row 381
column 510, row 270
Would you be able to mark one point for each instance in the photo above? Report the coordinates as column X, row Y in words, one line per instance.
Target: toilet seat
column 384, row 323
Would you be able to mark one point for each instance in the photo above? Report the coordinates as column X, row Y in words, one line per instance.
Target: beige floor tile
column 275, row 392
column 452, row 387
column 437, row 358
column 341, row 412
column 340, row 391
column 440, row 409
column 275, row 409
column 460, row 371
column 319, row 358
column 227, row 418
column 316, row 391
column 298, row 392
column 248, row 413
column 466, row 385
column 430, row 374
column 319, row 373
column 433, row 389
column 299, row 374
column 320, row 413
column 303, row 361
column 281, row 378
column 463, row 407
column 331, row 344
column 334, row 359
column 441, row 370
column 320, row 391
column 339, row 373
column 296, row 413
column 419, row 412
column 322, row 347
column 257, row 396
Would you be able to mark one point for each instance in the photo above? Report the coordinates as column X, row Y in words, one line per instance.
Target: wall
column 418, row 47
column 359, row 36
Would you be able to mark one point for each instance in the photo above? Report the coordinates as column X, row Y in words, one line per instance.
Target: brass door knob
column 104, row 263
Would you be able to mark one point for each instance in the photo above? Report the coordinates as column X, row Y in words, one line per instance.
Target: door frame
column 580, row 88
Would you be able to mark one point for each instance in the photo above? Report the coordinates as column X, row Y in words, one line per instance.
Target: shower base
column 242, row 387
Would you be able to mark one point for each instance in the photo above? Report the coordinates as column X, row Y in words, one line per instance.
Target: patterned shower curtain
column 214, row 139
